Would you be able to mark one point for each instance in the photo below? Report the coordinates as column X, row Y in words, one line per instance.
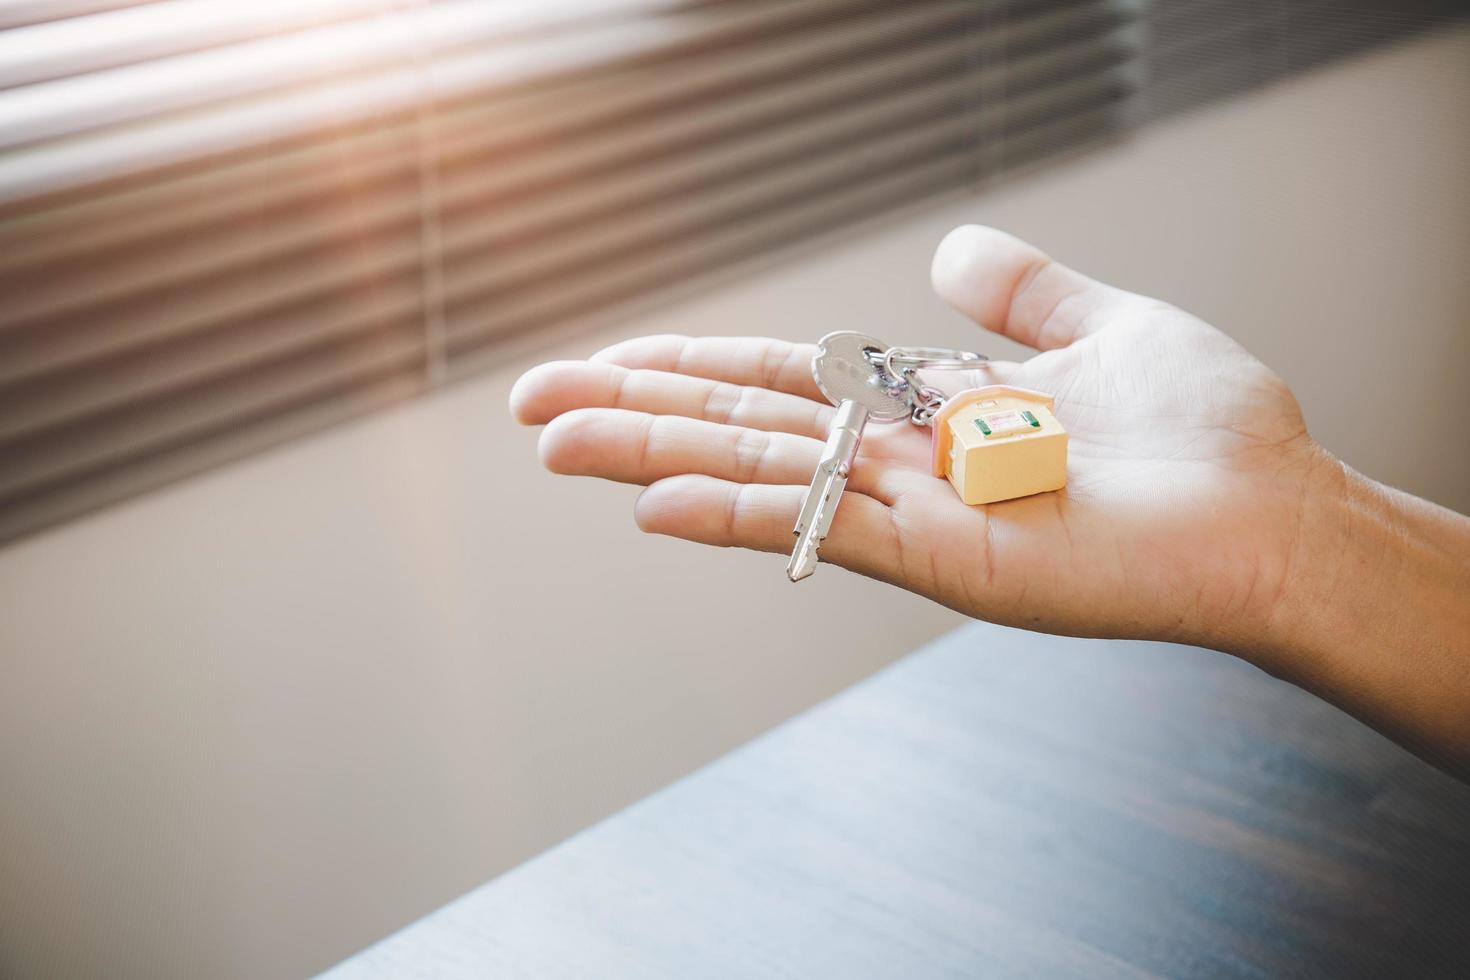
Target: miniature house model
column 999, row 442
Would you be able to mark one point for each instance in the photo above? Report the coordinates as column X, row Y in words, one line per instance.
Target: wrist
column 1324, row 559
column 1328, row 567
column 1372, row 613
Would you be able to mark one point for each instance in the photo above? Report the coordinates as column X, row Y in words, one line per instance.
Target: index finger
column 760, row 362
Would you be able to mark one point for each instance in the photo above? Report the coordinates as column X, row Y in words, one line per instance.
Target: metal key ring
column 900, row 361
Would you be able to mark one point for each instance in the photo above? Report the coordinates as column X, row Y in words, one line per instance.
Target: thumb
column 1016, row 290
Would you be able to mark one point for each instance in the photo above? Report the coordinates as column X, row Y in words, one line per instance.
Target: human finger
column 553, row 389
column 760, row 362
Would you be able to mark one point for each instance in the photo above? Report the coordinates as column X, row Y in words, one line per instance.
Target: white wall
column 255, row 721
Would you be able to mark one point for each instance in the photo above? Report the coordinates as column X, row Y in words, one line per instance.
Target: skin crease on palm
column 1193, row 503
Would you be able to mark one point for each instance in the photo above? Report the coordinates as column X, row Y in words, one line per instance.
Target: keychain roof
column 964, row 399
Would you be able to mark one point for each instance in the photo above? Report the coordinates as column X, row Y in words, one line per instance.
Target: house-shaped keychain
column 999, row 442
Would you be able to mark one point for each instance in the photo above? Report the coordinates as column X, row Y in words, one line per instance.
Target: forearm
column 1375, row 615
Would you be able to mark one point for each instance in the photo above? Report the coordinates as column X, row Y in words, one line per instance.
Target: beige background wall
column 253, row 722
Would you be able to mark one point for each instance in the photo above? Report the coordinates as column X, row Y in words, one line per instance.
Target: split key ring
column 901, row 362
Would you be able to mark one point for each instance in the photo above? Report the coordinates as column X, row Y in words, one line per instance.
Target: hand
column 1188, row 461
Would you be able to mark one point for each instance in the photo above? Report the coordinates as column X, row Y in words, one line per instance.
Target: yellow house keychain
column 998, row 443
column 993, row 443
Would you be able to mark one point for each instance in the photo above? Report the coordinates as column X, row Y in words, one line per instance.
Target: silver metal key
column 849, row 370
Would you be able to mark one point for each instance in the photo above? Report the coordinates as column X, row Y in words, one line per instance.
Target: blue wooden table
column 1003, row 804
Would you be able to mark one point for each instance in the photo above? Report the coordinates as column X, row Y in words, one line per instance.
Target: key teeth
column 796, row 572
column 803, row 558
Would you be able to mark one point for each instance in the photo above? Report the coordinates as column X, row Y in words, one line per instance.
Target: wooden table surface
column 1003, row 804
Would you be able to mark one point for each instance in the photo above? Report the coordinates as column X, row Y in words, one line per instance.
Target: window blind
column 1201, row 50
column 224, row 224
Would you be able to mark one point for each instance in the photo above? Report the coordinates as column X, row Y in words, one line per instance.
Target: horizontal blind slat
column 23, row 13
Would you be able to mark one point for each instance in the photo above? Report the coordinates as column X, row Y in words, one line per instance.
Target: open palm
column 1180, row 508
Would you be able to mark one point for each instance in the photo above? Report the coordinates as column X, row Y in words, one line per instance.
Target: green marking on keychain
column 1032, row 419
column 980, row 424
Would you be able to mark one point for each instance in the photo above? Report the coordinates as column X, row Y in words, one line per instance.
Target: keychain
column 992, row 443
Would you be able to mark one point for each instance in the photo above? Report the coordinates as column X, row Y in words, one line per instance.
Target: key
column 848, row 369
